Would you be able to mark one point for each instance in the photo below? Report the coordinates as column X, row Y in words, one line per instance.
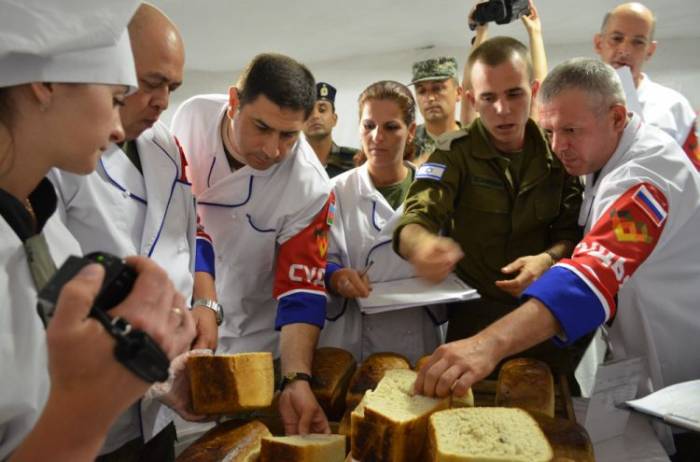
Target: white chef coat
column 362, row 232
column 119, row 210
column 666, row 109
column 25, row 384
column 670, row 111
column 639, row 262
column 262, row 223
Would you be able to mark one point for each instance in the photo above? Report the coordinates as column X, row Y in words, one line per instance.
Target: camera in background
column 499, row 11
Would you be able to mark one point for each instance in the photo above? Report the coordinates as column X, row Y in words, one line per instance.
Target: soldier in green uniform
column 318, row 130
column 493, row 203
column 437, row 94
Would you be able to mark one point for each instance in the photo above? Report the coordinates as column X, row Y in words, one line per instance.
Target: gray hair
column 597, row 79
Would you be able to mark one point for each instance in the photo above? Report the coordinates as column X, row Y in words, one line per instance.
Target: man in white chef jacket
column 265, row 198
column 139, row 201
column 626, row 38
column 637, row 265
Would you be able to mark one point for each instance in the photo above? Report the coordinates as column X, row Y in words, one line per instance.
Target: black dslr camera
column 499, row 11
column 135, row 349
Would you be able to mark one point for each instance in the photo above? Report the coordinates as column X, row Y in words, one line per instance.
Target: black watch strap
column 292, row 376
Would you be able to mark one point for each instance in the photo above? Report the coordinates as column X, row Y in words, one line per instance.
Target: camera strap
column 39, row 259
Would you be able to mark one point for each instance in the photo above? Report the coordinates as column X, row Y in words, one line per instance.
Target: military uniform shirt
column 424, row 143
column 468, row 193
column 340, row 160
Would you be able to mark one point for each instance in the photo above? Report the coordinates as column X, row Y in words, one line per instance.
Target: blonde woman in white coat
column 60, row 91
column 369, row 200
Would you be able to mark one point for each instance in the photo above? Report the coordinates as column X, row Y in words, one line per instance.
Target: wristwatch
column 212, row 305
column 290, row 377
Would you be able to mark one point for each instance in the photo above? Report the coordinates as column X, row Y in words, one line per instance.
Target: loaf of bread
column 421, row 362
column 569, row 440
column 332, row 369
column 307, row 448
column 487, row 434
column 230, row 442
column 390, row 423
column 225, row 384
column 370, row 373
column 527, row 384
column 344, row 424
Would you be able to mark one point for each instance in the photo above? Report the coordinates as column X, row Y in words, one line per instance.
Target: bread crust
column 232, row 441
column 332, row 369
column 527, row 384
column 226, row 384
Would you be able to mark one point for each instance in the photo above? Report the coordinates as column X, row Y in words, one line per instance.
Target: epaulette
column 444, row 142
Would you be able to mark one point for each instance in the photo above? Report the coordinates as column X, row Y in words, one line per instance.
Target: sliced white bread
column 370, row 372
column 225, row 384
column 390, row 424
column 306, row 448
column 463, row 401
column 455, row 401
column 487, row 434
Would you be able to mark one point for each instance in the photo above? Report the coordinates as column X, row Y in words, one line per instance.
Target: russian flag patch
column 645, row 200
column 431, row 171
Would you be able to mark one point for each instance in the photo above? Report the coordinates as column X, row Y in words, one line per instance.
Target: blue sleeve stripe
column 204, row 259
column 331, row 267
column 607, row 309
column 301, row 307
column 571, row 300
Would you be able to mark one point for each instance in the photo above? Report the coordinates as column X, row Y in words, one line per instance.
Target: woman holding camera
column 64, row 71
column 369, row 200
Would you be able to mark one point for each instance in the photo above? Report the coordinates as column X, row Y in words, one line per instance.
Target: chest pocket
column 547, row 198
column 484, row 194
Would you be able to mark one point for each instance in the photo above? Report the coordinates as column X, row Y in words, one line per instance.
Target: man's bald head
column 159, row 56
column 632, row 9
column 626, row 38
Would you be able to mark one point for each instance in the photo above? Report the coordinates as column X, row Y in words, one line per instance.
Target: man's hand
column 435, row 257
column 157, row 308
column 532, row 22
column 455, row 366
column 175, row 392
column 207, row 330
column 301, row 413
column 529, row 268
column 348, row 283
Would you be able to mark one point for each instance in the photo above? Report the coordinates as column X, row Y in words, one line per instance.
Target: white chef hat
column 70, row 41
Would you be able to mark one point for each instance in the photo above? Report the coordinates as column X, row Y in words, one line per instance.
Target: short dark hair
column 284, row 81
column 498, row 50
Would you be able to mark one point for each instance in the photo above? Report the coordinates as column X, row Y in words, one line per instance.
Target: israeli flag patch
column 431, row 171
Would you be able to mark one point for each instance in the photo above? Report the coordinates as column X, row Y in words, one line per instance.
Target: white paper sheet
column 411, row 292
column 633, row 103
column 677, row 404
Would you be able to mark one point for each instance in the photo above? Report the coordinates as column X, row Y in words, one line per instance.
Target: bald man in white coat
column 139, row 201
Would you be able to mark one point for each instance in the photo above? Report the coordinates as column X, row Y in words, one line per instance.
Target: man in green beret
column 318, row 129
column 437, row 94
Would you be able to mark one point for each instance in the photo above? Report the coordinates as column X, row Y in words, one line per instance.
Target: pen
column 365, row 270
column 362, row 273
